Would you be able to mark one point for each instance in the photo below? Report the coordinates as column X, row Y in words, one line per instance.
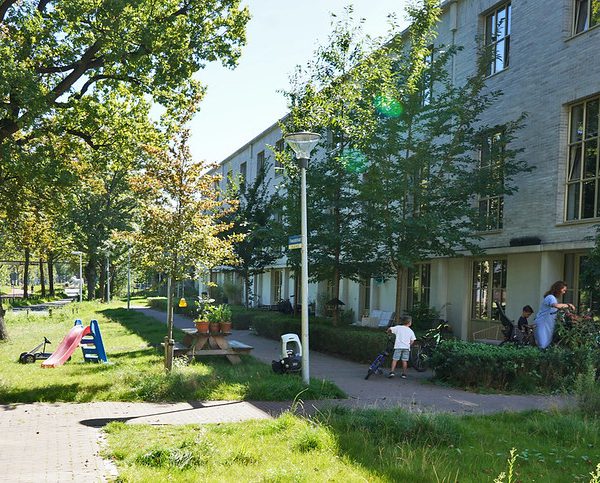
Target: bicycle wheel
column 420, row 359
column 369, row 373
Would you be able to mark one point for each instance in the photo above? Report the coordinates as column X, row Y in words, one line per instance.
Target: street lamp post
column 302, row 143
column 80, row 274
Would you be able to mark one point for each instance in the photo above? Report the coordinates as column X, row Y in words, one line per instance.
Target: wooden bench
column 240, row 347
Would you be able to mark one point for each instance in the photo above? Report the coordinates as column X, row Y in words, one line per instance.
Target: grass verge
column 135, row 371
column 348, row 446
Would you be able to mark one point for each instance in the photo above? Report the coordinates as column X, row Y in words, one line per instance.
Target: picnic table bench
column 200, row 345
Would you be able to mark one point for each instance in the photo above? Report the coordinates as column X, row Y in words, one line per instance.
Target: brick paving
column 61, row 442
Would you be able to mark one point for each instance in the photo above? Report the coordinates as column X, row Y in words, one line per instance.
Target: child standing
column 404, row 339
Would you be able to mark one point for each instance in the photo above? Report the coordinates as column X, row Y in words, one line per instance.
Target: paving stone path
column 59, row 442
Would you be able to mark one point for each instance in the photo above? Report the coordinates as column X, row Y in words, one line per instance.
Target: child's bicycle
column 376, row 366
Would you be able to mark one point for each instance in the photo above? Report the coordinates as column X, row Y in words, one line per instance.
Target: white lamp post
column 80, row 274
column 302, row 143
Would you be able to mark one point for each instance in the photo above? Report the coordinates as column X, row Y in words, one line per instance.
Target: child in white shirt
column 404, row 339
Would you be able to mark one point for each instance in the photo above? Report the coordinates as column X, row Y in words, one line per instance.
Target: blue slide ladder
column 92, row 345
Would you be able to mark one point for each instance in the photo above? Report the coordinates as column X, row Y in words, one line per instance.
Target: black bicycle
column 423, row 348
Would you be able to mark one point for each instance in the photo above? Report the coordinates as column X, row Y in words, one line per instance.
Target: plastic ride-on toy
column 33, row 355
column 291, row 357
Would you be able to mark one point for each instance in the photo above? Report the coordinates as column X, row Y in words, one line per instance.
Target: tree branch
column 4, row 6
column 97, row 78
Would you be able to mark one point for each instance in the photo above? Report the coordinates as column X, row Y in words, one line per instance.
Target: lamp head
column 302, row 143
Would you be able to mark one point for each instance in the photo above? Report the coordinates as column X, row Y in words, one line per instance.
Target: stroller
column 376, row 366
column 511, row 333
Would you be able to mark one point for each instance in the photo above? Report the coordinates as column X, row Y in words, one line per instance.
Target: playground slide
column 67, row 346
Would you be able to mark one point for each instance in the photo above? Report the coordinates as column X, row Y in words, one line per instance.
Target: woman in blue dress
column 545, row 319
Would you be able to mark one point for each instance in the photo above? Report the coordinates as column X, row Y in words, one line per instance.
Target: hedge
column 160, row 303
column 507, row 367
column 353, row 343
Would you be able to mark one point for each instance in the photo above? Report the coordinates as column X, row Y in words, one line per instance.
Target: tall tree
column 180, row 223
column 327, row 96
column 254, row 218
column 431, row 155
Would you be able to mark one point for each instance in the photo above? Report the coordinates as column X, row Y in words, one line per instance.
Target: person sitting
column 523, row 323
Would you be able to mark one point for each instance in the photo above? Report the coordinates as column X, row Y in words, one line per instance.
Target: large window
column 243, row 174
column 260, row 162
column 427, row 79
column 582, row 166
column 489, row 288
column 491, row 160
column 586, row 15
column 276, row 285
column 279, row 147
column 577, row 294
column 497, row 37
column 419, row 285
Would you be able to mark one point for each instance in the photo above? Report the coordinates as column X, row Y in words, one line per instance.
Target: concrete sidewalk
column 414, row 393
column 58, row 442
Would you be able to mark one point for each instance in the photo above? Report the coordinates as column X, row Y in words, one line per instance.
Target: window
column 419, row 285
column 586, row 15
column 497, row 37
column 491, row 207
column 279, row 147
column 276, row 282
column 260, row 161
column 243, row 172
column 489, row 288
column 577, row 294
column 582, row 165
column 427, row 80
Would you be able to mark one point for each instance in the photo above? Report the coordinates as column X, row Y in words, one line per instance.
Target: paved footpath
column 61, row 442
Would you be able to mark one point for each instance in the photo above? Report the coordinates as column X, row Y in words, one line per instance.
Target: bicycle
column 423, row 349
column 376, row 366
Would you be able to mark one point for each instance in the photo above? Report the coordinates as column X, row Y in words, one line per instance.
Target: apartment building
column 548, row 66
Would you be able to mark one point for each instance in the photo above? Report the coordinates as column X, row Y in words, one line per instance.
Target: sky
column 241, row 103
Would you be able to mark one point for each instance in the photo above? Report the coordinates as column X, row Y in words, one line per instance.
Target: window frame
column 418, row 295
column 492, row 205
column 588, row 25
column 488, row 313
column 579, row 143
column 491, row 40
column 277, row 165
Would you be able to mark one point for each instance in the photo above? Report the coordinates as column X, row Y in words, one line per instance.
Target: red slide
column 67, row 346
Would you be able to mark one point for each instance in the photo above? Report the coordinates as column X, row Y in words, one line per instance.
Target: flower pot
column 214, row 328
column 226, row 327
column 201, row 326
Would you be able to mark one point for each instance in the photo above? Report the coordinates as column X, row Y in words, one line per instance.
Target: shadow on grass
column 54, row 393
column 146, row 327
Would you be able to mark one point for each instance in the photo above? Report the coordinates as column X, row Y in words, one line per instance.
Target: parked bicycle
column 423, row 348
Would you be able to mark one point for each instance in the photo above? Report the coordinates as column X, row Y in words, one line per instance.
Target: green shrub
column 160, row 303
column 507, row 367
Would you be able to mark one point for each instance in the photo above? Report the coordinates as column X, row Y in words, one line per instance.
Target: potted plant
column 214, row 319
column 203, row 309
column 225, row 319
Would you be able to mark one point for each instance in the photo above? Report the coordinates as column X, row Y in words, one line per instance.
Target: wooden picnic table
column 196, row 344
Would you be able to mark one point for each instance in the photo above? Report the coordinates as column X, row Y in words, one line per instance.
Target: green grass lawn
column 135, row 370
column 372, row 445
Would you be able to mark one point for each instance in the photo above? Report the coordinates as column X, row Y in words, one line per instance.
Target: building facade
column 547, row 66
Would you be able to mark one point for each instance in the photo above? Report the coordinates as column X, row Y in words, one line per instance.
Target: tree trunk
column 336, row 296
column 26, row 275
column 398, row 306
column 90, row 275
column 42, row 280
column 51, row 274
column 246, row 289
column 169, row 337
column 102, row 280
column 296, row 290
column 3, row 331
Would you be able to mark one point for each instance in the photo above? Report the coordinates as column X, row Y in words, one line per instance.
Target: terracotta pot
column 201, row 326
column 226, row 327
column 214, row 328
